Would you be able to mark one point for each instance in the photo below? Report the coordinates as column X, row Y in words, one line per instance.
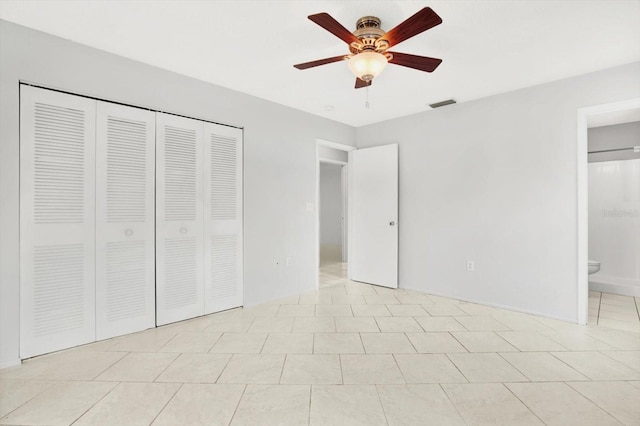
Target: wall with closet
column 129, row 218
column 279, row 158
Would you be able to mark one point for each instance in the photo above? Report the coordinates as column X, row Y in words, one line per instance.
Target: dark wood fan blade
column 361, row 83
column 422, row 63
column 312, row 64
column 334, row 27
column 423, row 20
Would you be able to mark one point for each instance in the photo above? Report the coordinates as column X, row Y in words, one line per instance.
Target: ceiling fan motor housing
column 368, row 31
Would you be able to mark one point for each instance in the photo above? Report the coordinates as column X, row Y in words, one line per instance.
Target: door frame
column 341, row 147
column 582, row 212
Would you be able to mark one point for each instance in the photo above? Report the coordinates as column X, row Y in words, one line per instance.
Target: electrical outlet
column 309, row 207
column 470, row 265
column 289, row 261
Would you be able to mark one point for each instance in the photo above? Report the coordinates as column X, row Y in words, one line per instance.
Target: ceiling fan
column 369, row 43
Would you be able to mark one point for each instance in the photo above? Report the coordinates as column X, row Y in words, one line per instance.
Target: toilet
column 594, row 267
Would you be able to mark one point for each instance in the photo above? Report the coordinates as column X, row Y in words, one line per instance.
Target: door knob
column 128, row 232
column 392, row 223
column 183, row 230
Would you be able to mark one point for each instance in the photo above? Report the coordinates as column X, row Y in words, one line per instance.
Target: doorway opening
column 332, row 242
column 589, row 117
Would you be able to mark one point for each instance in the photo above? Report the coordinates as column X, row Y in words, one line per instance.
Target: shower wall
column 614, row 225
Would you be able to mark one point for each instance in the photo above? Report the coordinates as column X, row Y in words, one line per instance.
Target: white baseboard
column 497, row 305
column 615, row 288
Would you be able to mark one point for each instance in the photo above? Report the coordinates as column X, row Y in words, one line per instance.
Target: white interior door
column 57, row 221
column 125, row 220
column 179, row 219
column 222, row 217
column 373, row 223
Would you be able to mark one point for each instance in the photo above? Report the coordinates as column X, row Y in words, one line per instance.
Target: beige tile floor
column 614, row 311
column 349, row 354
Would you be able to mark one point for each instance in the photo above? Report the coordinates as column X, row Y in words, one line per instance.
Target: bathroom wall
column 330, row 213
column 614, row 226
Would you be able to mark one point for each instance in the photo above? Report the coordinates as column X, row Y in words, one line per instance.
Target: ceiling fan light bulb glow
column 367, row 65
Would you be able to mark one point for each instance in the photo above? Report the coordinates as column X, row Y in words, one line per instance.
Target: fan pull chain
column 366, row 103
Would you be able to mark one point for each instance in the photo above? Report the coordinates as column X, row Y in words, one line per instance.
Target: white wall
column 330, row 213
column 494, row 181
column 279, row 158
column 614, row 226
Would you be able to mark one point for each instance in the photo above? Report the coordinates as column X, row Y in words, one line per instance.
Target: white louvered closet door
column 223, row 217
column 57, row 221
column 125, row 220
column 179, row 225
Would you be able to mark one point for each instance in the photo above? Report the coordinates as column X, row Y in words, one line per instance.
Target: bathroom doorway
column 333, row 223
column 332, row 241
column 609, row 215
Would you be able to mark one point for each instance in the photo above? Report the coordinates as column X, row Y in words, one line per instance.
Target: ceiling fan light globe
column 367, row 65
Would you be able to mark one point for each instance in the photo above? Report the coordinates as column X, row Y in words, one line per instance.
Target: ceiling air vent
column 442, row 103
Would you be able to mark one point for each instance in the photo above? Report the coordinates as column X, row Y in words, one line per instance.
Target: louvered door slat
column 179, row 219
column 57, row 221
column 125, row 233
column 223, row 217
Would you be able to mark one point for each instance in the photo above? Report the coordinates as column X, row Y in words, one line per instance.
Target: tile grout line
column 215, row 341
column 96, row 403
column 452, row 403
column 399, row 369
column 570, row 366
column 284, row 362
column 235, row 410
column 459, row 342
column 592, row 401
column 50, row 385
column 406, row 336
column 310, row 398
column 126, row 354
column 167, row 403
column 522, row 402
column 501, row 355
column 226, row 364
column 384, row 413
column 165, row 369
column 457, row 368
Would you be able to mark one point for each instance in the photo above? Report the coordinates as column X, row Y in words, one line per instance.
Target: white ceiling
column 487, row 47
